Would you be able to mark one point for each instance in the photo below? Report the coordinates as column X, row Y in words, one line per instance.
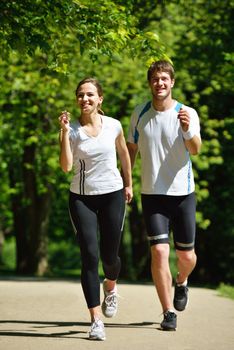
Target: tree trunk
column 37, row 214
column 31, row 217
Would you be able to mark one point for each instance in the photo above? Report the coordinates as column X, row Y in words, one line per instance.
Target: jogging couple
column 165, row 133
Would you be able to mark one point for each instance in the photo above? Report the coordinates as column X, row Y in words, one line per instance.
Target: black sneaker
column 169, row 322
column 180, row 297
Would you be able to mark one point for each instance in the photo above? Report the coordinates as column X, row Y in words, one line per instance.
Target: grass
column 8, row 259
column 226, row 290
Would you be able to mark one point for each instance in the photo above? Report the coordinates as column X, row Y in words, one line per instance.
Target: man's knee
column 186, row 256
column 160, row 251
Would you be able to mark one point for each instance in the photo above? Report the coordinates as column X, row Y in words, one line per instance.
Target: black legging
column 88, row 213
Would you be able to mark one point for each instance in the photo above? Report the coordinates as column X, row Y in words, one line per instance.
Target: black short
column 162, row 213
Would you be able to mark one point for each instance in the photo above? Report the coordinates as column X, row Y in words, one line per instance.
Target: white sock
column 110, row 291
column 184, row 284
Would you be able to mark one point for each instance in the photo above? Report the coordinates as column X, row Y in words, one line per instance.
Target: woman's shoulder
column 110, row 120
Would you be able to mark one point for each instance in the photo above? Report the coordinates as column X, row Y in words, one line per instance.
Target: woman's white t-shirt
column 94, row 159
column 166, row 167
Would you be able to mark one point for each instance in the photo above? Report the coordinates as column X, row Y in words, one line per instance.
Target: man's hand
column 184, row 119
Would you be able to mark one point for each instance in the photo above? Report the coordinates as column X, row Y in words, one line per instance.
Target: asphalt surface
column 47, row 314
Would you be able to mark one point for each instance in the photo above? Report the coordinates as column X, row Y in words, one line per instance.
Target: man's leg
column 161, row 274
column 184, row 227
column 163, row 282
column 156, row 218
column 185, row 263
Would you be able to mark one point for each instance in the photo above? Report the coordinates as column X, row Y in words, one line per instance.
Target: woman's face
column 88, row 99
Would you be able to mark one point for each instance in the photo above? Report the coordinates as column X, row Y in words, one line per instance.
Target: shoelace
column 96, row 324
column 111, row 299
column 169, row 316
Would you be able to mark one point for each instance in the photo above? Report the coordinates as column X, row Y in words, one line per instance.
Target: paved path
column 51, row 315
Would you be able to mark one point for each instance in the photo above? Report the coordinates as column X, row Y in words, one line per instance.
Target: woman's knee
column 90, row 259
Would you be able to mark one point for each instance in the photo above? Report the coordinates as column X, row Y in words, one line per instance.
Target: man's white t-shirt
column 166, row 167
column 94, row 159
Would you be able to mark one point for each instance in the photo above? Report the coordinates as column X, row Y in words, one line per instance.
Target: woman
column 97, row 195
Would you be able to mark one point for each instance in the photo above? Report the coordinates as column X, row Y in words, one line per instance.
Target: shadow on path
column 39, row 325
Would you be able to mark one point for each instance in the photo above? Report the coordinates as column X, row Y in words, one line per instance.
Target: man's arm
column 133, row 150
column 191, row 140
column 193, row 145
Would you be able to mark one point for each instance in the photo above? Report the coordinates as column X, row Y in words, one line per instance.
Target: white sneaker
column 110, row 303
column 97, row 331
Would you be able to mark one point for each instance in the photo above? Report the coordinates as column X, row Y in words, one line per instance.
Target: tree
column 39, row 41
column 115, row 42
column 200, row 46
column 62, row 28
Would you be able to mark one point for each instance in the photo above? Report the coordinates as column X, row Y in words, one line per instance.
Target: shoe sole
column 108, row 316
column 168, row 329
column 183, row 308
column 95, row 338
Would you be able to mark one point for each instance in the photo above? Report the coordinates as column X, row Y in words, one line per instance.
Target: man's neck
column 163, row 105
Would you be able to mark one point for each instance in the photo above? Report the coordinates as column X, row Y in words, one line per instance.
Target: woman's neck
column 90, row 119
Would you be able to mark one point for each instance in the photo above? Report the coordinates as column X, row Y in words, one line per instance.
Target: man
column 165, row 132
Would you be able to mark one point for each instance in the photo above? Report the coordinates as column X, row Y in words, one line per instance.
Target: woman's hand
column 64, row 120
column 128, row 193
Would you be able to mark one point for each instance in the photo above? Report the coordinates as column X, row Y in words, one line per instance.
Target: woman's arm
column 66, row 157
column 125, row 165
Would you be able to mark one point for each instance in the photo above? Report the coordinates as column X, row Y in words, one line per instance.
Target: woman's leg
column 84, row 220
column 111, row 218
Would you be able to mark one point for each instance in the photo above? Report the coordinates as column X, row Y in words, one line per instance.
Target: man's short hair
column 161, row 66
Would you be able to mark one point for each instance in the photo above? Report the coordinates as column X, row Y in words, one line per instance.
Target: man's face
column 161, row 85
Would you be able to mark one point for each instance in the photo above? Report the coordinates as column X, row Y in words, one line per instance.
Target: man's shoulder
column 141, row 109
column 190, row 109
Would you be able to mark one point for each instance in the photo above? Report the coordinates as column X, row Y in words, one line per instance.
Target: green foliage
column 63, row 255
column 57, row 27
column 226, row 290
column 47, row 47
column 8, row 259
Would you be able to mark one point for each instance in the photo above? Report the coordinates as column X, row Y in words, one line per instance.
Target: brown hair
column 161, row 66
column 96, row 84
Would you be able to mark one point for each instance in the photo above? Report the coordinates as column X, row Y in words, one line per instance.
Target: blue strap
column 178, row 106
column 144, row 110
